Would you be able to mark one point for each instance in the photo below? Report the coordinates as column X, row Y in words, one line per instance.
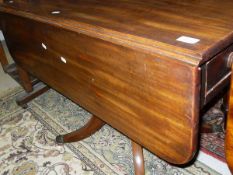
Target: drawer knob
column 230, row 60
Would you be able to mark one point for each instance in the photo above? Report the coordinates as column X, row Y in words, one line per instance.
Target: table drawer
column 216, row 74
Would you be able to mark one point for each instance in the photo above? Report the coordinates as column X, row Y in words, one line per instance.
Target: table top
column 149, row 25
column 122, row 62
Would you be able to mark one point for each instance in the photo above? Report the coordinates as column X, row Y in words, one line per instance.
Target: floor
column 6, row 82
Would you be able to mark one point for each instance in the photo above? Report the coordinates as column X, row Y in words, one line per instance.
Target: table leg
column 3, row 58
column 90, row 128
column 24, row 98
column 25, row 80
column 229, row 132
column 32, row 87
column 138, row 159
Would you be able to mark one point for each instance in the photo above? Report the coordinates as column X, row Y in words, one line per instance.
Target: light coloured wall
column 1, row 36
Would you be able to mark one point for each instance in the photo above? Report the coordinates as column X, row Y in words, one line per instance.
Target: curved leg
column 90, row 128
column 138, row 159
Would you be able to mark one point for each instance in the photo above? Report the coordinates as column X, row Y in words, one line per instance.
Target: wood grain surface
column 150, row 98
column 148, row 25
column 121, row 61
column 229, row 131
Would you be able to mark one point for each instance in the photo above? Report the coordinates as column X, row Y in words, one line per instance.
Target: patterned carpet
column 213, row 143
column 27, row 144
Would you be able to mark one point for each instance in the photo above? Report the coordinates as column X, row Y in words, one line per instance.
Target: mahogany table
column 145, row 67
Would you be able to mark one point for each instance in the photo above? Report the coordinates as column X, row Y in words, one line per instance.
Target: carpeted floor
column 27, row 144
column 213, row 143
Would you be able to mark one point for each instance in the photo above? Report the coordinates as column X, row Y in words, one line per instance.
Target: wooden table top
column 149, row 25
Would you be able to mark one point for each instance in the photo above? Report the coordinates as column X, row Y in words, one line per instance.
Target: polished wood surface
column 131, row 90
column 138, row 159
column 148, row 25
column 93, row 125
column 229, row 131
column 216, row 74
column 121, row 61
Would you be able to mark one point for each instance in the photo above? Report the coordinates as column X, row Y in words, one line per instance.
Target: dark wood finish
column 216, row 75
column 108, row 80
column 148, row 25
column 219, row 63
column 25, row 97
column 3, row 58
column 25, row 80
column 93, row 125
column 121, row 61
column 138, row 159
column 229, row 131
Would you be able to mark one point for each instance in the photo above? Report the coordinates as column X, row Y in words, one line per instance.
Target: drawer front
column 132, row 91
column 216, row 75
